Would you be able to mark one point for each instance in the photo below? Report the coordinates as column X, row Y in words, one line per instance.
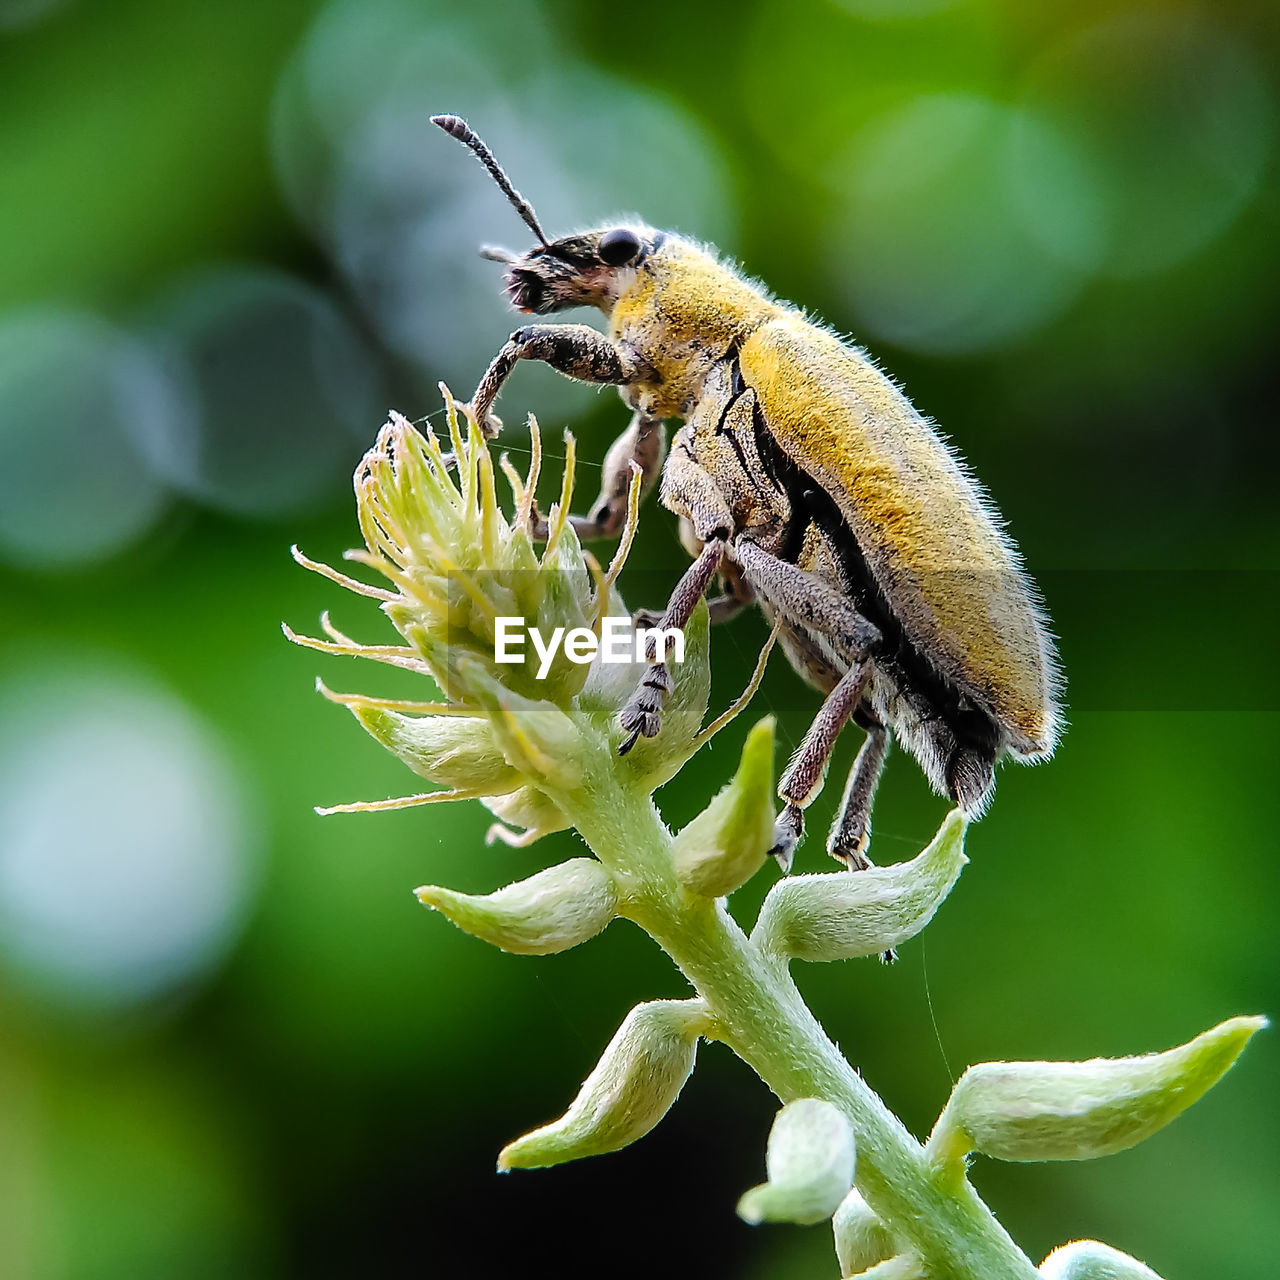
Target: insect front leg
column 804, row 775
column 642, row 716
column 576, row 350
column 851, row 831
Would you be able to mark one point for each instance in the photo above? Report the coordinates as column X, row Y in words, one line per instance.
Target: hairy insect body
column 678, row 316
column 807, row 483
column 929, row 537
column 887, row 518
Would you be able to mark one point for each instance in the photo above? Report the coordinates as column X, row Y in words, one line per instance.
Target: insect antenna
column 457, row 127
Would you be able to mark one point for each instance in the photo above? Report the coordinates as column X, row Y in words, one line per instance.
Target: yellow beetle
column 806, row 482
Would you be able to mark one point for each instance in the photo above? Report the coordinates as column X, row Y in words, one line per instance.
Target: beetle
column 807, row 483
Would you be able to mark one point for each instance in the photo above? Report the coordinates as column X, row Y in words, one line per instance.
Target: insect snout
column 525, row 290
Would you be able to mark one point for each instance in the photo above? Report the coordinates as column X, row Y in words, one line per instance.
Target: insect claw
column 787, row 833
column 647, row 618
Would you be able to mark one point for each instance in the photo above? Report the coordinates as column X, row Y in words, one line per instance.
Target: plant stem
column 760, row 1014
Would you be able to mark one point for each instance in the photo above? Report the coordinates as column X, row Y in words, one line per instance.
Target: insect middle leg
column 642, row 715
column 804, row 775
column 735, row 597
column 644, row 442
column 806, row 602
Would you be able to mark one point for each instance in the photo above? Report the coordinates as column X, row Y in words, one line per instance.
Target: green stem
column 761, row 1016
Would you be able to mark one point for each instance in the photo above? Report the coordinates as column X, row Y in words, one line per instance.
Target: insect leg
column 852, row 829
column 721, row 608
column 642, row 716
column 576, row 350
column 725, row 607
column 737, row 594
column 644, row 442
column 806, row 602
column 803, row 777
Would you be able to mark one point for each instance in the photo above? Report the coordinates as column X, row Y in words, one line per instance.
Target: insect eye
column 617, row 248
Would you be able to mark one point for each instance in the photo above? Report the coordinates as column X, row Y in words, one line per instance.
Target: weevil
column 806, row 482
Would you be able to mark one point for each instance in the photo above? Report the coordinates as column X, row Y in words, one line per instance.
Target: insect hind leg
column 804, row 775
column 851, row 832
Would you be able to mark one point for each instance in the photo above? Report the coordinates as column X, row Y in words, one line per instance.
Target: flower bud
column 631, row 1089
column 726, row 844
column 810, row 1161
column 862, row 1239
column 551, row 911
column 903, row 1266
column 527, row 808
column 537, row 738
column 1079, row 1110
column 567, row 601
column 456, row 751
column 1092, row 1260
column 844, row 914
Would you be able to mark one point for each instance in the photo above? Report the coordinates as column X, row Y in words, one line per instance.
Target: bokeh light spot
column 403, row 209
column 125, row 862
column 18, row 15
column 932, row 233
column 76, row 397
column 1175, row 119
column 280, row 392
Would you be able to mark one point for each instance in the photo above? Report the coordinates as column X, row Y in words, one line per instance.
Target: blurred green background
column 231, row 1042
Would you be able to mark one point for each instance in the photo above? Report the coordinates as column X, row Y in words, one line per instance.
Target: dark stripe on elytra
column 739, row 388
column 766, row 447
column 905, row 665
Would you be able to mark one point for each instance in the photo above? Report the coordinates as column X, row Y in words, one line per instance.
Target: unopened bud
column 567, row 601
column 551, row 911
column 637, row 1079
column 862, row 1239
column 536, row 737
column 841, row 915
column 531, row 813
column 1092, row 1260
column 456, row 751
column 1079, row 1110
column 726, row 844
column 810, row 1161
